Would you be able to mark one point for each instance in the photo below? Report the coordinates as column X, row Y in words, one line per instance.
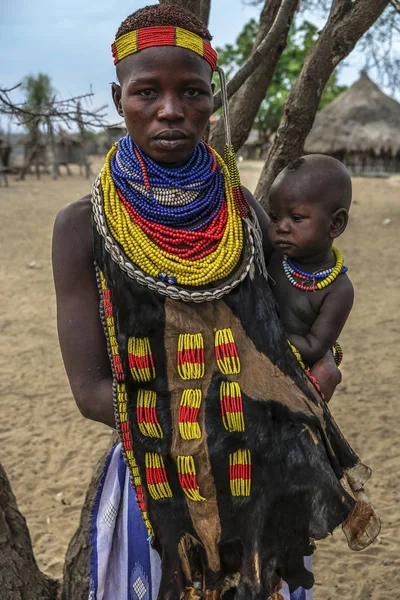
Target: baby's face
column 299, row 224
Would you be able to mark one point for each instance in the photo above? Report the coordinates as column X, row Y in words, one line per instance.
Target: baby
column 308, row 207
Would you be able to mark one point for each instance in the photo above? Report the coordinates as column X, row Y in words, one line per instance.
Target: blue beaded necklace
column 318, row 275
column 195, row 177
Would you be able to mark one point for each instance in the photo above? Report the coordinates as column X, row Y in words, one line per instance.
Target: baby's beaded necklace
column 191, row 244
column 325, row 277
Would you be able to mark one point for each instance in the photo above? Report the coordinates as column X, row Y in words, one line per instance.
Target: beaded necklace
column 200, row 174
column 191, row 245
column 325, row 277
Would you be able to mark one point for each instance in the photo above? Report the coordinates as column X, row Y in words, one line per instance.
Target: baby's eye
column 296, row 218
column 191, row 93
column 273, row 218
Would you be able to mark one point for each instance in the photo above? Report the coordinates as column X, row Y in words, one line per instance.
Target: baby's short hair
column 294, row 165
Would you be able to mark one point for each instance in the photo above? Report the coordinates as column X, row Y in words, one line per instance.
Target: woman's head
column 164, row 92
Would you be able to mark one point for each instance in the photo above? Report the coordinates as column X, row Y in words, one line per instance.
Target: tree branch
column 346, row 24
column 266, row 46
column 64, row 111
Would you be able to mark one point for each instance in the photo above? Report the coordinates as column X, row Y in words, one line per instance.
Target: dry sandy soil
column 49, row 450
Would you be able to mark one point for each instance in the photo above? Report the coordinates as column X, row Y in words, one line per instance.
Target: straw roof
column 361, row 119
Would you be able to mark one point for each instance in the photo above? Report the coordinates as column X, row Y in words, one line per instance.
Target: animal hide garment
column 237, row 462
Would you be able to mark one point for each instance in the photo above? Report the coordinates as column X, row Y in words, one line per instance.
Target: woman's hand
column 327, row 374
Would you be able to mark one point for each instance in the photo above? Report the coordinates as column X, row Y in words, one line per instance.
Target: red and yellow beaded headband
column 148, row 37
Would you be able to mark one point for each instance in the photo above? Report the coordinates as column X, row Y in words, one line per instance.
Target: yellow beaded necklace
column 152, row 259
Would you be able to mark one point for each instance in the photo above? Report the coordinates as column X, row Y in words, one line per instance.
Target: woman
column 233, row 455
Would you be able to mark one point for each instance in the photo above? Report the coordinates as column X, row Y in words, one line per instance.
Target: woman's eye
column 147, row 93
column 191, row 93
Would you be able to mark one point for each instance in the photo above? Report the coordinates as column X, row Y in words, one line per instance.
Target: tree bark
column 260, row 54
column 20, row 578
column 346, row 24
column 201, row 8
column 77, row 559
column 246, row 102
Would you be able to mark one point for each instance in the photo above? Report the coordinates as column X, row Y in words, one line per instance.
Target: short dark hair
column 295, row 164
column 159, row 15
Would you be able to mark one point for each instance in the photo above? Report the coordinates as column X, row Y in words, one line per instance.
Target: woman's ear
column 116, row 96
column 339, row 222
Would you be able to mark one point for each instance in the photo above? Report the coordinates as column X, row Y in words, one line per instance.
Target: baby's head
column 308, row 205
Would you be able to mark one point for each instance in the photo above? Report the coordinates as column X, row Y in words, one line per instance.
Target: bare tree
column 20, row 577
column 50, row 114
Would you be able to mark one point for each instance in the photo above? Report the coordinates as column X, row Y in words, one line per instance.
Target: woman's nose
column 170, row 108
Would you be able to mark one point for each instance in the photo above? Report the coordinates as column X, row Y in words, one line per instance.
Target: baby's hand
column 327, row 374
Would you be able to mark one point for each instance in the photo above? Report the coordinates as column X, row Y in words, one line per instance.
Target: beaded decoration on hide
column 190, row 356
column 108, row 313
column 147, row 415
column 156, row 477
column 231, row 406
column 121, row 399
column 188, row 413
column 188, row 478
column 140, row 359
column 226, row 352
column 240, row 472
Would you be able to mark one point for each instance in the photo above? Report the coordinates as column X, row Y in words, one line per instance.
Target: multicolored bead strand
column 189, row 408
column 231, row 406
column 140, row 359
column 146, row 414
column 188, row 478
column 156, row 477
column 219, row 241
column 240, row 472
column 226, row 352
column 121, row 399
column 190, row 357
column 333, row 273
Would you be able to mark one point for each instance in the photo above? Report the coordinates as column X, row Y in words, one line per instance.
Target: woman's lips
column 170, row 139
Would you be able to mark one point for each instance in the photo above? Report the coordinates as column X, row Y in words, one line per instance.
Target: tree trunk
column 347, row 22
column 20, row 578
column 201, row 8
column 77, row 559
column 246, row 102
column 56, row 170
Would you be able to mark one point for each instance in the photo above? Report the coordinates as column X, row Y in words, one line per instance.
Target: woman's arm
column 82, row 340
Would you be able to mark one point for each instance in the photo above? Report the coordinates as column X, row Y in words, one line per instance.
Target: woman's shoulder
column 73, row 227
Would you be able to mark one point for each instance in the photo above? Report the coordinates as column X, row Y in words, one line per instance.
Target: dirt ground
column 49, row 450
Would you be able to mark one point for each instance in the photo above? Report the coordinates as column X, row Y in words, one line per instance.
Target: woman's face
column 166, row 99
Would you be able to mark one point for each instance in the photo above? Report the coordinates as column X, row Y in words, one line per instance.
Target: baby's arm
column 326, row 329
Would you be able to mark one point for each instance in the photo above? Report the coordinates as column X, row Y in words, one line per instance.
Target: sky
column 70, row 41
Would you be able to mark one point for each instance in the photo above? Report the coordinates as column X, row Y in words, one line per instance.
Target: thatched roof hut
column 361, row 127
